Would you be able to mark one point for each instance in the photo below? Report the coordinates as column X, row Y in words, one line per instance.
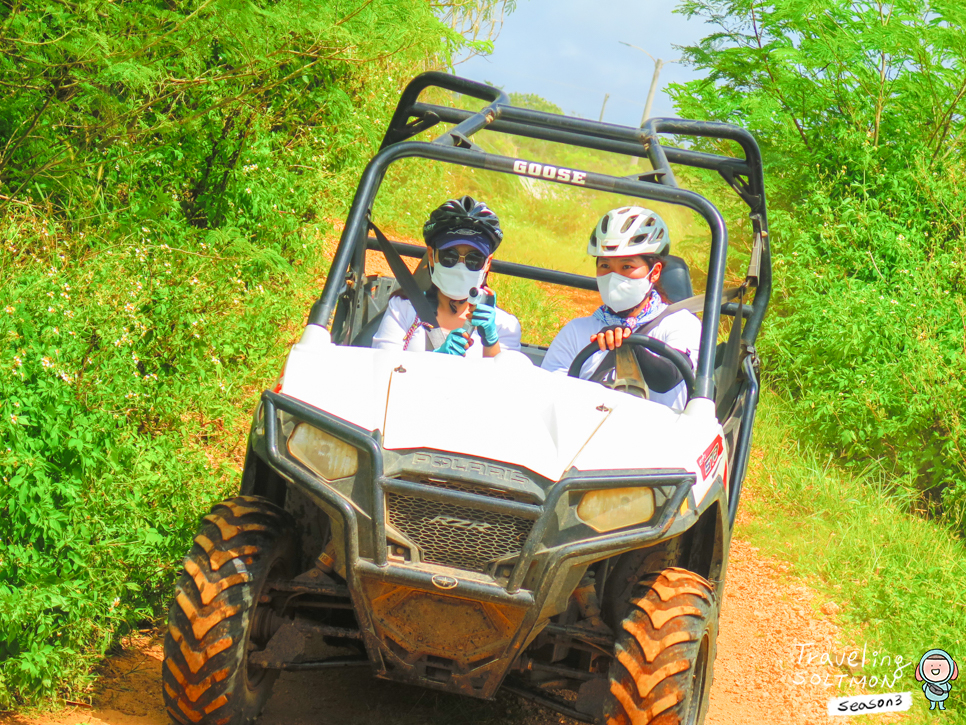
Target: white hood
column 502, row 409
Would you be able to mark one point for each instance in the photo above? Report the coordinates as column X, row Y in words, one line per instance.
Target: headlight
column 326, row 455
column 616, row 508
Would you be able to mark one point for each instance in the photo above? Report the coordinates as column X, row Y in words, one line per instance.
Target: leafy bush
column 858, row 109
column 164, row 179
column 124, row 363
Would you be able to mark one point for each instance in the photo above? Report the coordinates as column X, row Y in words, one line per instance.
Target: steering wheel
column 675, row 356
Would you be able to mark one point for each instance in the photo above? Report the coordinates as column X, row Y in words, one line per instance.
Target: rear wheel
column 212, row 624
column 662, row 669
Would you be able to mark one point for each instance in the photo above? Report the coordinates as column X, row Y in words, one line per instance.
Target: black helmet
column 465, row 213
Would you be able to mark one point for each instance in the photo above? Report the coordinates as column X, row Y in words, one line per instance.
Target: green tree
column 859, row 108
column 835, row 80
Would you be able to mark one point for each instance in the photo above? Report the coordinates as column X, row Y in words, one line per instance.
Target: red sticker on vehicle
column 709, row 459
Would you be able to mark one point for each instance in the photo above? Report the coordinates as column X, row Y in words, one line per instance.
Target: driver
column 627, row 244
column 462, row 236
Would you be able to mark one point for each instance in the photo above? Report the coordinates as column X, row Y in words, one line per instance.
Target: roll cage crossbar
column 412, row 117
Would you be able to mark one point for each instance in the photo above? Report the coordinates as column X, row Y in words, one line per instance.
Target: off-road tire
column 242, row 543
column 662, row 669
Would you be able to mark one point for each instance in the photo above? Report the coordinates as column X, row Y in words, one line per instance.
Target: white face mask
column 623, row 293
column 456, row 282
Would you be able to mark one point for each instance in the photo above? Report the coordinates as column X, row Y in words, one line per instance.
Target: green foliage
column 835, row 82
column 164, row 172
column 859, row 110
column 195, row 112
column 848, row 534
column 123, row 362
column 535, row 102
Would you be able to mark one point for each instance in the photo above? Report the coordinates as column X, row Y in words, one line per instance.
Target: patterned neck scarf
column 652, row 309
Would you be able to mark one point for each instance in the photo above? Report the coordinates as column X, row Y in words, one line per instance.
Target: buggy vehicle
column 531, row 554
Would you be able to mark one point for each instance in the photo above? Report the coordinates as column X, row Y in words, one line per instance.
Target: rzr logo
column 461, row 523
column 552, row 173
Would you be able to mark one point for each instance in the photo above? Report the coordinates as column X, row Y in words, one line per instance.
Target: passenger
column 627, row 243
column 462, row 236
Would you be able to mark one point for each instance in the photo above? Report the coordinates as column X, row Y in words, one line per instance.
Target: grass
column 897, row 578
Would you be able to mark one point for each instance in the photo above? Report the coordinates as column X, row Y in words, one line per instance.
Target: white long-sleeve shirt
column 681, row 330
column 400, row 316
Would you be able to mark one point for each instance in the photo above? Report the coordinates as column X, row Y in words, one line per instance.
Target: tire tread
column 204, row 673
column 657, row 645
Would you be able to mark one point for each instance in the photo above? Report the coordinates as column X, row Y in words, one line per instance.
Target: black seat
column 676, row 279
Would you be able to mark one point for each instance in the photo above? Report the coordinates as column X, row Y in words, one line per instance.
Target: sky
column 569, row 52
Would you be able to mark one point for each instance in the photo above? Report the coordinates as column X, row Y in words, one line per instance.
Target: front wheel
column 242, row 544
column 664, row 655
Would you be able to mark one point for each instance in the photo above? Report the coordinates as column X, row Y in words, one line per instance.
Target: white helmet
column 628, row 231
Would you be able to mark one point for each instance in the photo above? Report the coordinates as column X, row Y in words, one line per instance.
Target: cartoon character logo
column 935, row 670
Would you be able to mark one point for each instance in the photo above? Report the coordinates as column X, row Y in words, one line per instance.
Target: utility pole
column 658, row 64
column 606, row 96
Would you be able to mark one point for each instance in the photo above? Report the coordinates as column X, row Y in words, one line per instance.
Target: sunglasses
column 473, row 260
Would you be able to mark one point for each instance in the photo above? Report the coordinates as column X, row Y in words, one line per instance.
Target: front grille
column 474, row 488
column 457, row 536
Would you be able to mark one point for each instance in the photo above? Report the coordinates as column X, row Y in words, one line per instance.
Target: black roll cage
column 412, row 117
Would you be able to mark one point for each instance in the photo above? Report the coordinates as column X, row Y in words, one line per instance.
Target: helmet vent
column 660, row 235
column 651, row 221
column 593, row 240
column 603, row 223
column 629, row 223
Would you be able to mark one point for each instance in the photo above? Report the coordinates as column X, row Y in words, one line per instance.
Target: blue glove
column 454, row 344
column 484, row 320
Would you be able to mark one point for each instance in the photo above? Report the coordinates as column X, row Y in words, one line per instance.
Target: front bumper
column 440, row 626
